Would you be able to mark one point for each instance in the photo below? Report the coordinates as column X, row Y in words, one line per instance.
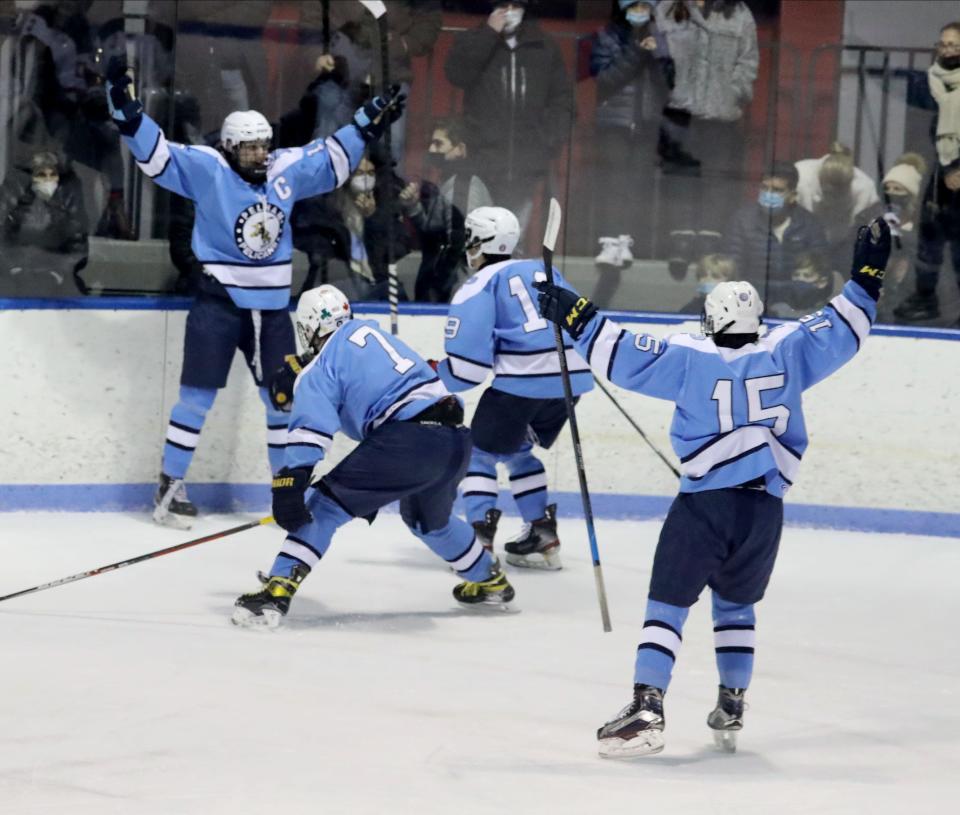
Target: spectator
column 518, row 101
column 766, row 239
column 711, row 270
column 812, row 283
column 940, row 213
column 713, row 44
column 44, row 233
column 438, row 213
column 839, row 195
column 630, row 62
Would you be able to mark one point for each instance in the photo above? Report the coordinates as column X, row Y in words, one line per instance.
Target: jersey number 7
column 400, row 364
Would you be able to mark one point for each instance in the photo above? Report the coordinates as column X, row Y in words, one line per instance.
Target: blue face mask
column 772, row 200
column 638, row 18
column 704, row 287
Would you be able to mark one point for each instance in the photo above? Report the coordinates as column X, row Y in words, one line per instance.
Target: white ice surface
column 130, row 692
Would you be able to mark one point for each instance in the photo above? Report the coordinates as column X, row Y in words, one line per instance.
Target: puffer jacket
column 715, row 59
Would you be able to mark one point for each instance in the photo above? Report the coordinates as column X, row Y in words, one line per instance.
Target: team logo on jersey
column 258, row 229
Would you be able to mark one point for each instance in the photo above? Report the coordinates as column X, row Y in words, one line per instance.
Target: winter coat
column 715, row 59
column 57, row 225
column 518, row 103
column 631, row 81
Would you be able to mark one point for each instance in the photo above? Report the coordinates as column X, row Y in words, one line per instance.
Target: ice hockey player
column 493, row 325
column 413, row 448
column 243, row 195
column 739, row 433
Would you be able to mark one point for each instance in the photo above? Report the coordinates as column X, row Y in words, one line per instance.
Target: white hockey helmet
column 733, row 307
column 491, row 231
column 243, row 126
column 320, row 312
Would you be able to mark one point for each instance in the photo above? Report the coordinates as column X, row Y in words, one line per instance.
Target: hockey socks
column 734, row 639
column 457, row 544
column 528, row 483
column 277, row 422
column 311, row 541
column 659, row 644
column 479, row 486
column 183, row 431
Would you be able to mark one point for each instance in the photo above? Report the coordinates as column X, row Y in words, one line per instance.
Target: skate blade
column 725, row 740
column 549, row 563
column 646, row 743
column 490, row 608
column 244, row 618
column 171, row 521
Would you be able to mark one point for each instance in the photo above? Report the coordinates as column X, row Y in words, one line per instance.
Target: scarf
column 945, row 87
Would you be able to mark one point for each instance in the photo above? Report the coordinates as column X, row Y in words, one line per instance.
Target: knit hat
column 907, row 176
column 625, row 4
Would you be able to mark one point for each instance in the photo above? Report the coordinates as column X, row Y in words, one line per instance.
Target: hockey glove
column 870, row 255
column 379, row 113
column 281, row 384
column 565, row 308
column 289, row 508
column 125, row 109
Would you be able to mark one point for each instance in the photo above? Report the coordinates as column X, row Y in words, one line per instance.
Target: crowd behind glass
column 656, row 183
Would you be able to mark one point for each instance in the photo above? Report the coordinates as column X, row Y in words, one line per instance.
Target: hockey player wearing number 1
column 413, row 448
column 243, row 194
column 493, row 325
column 739, row 433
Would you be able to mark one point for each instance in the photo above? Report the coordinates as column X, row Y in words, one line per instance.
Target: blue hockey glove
column 379, row 113
column 289, row 507
column 870, row 255
column 565, row 308
column 125, row 110
column 281, row 384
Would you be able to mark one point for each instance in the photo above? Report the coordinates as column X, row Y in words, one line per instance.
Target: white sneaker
column 626, row 256
column 610, row 254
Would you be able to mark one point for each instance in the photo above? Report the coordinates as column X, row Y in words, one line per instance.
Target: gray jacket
column 716, row 60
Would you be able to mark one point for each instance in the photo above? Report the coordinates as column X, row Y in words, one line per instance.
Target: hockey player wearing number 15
column 739, row 432
column 413, row 448
column 493, row 325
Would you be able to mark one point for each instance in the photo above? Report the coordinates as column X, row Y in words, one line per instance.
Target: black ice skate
column 494, row 591
column 486, row 529
column 264, row 608
column 726, row 719
column 638, row 728
column 537, row 546
column 171, row 505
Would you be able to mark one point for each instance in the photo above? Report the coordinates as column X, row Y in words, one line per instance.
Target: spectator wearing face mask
column 44, row 230
column 766, row 238
column 629, row 60
column 812, row 283
column 940, row 212
column 517, row 102
column 711, row 270
column 438, row 211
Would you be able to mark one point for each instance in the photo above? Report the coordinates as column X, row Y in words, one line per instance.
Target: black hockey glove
column 870, row 255
column 565, row 308
column 281, row 384
column 289, row 508
column 125, row 110
column 379, row 113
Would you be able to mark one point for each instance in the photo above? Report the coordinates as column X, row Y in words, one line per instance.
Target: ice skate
column 171, row 505
column 495, row 591
column 726, row 719
column 638, row 728
column 486, row 529
column 265, row 608
column 537, row 546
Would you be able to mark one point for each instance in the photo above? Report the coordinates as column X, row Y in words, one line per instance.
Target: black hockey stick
column 140, row 558
column 549, row 244
column 379, row 10
column 636, row 427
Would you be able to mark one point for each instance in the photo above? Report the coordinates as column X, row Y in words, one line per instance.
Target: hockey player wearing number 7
column 243, row 195
column 413, row 448
column 739, row 432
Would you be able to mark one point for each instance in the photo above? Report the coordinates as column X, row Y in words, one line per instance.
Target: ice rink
column 131, row 693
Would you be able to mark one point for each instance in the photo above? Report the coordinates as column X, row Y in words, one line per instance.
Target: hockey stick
column 549, row 243
column 636, row 427
column 140, row 558
column 379, row 10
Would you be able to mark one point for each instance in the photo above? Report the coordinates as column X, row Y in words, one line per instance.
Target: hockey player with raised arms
column 739, row 433
column 243, row 194
column 493, row 326
column 413, row 448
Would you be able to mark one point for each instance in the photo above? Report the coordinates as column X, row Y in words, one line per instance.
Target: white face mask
column 362, row 183
column 513, row 18
column 45, row 187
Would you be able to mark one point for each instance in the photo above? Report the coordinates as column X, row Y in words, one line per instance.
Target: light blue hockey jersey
column 241, row 234
column 361, row 378
column 493, row 325
column 739, row 415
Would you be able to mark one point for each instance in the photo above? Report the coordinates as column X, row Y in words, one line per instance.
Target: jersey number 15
column 756, row 412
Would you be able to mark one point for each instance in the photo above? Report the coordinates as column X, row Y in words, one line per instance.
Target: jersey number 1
column 517, row 288
column 400, row 364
